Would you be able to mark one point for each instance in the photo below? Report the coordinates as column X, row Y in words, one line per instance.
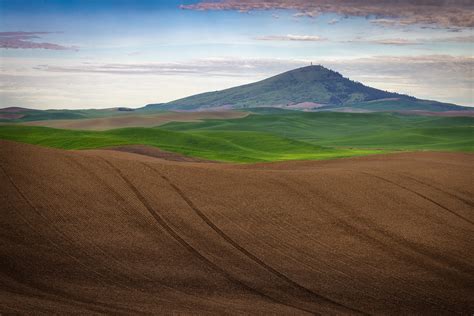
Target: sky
column 58, row 54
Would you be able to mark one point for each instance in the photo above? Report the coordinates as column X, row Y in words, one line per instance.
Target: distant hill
column 312, row 88
column 307, row 88
column 18, row 114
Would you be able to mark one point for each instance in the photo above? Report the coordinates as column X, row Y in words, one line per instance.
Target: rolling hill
column 103, row 232
column 272, row 137
column 20, row 114
column 312, row 88
column 308, row 88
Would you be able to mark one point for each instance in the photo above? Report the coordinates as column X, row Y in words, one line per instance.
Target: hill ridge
column 312, row 87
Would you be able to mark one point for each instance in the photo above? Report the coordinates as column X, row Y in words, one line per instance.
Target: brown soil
column 154, row 152
column 10, row 116
column 14, row 109
column 136, row 120
column 120, row 233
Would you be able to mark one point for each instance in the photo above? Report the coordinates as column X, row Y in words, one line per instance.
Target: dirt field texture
column 136, row 120
column 116, row 232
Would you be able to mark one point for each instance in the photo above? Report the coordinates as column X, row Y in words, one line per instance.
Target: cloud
column 387, row 22
column 438, row 13
column 291, row 37
column 61, row 83
column 136, row 53
column 216, row 67
column 421, row 41
column 387, row 41
column 25, row 40
column 394, row 41
column 459, row 66
column 379, row 41
column 307, row 14
column 455, row 39
column 439, row 77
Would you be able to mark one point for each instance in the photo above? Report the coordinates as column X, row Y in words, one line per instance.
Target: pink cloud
column 291, row 37
column 25, row 40
column 440, row 13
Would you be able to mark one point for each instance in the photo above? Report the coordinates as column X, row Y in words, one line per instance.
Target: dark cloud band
column 440, row 13
column 26, row 40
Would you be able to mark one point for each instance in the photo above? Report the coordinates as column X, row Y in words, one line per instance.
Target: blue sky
column 96, row 54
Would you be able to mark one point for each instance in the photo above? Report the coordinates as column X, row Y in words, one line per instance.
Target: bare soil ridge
column 136, row 120
column 106, row 231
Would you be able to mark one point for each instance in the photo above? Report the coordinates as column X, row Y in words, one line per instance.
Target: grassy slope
column 407, row 105
column 271, row 137
column 307, row 84
column 236, row 146
column 372, row 130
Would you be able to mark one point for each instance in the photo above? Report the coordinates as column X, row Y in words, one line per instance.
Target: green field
column 43, row 115
column 356, row 130
column 273, row 136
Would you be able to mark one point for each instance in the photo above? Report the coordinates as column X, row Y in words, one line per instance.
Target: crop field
column 272, row 136
column 135, row 120
column 151, row 215
column 235, row 146
column 108, row 232
column 236, row 157
column 360, row 130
